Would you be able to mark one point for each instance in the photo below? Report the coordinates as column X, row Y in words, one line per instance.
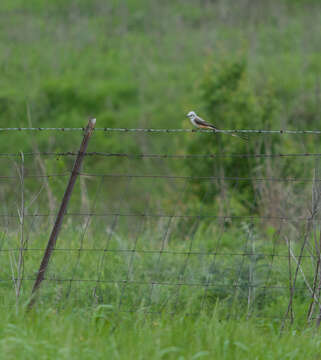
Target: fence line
column 175, row 216
column 157, row 283
column 151, row 130
column 246, row 270
column 162, row 156
column 140, row 251
column 221, row 178
column 160, row 176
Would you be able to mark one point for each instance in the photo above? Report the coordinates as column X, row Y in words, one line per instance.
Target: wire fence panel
column 145, row 232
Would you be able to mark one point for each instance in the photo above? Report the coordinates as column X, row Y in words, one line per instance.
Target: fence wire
column 151, row 130
column 151, row 238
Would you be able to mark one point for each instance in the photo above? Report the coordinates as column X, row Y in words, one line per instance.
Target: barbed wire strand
column 153, row 130
column 172, row 313
column 162, row 176
column 142, row 251
column 161, row 156
column 162, row 283
column 209, row 178
column 155, row 215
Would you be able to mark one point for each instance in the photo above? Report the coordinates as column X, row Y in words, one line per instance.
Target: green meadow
column 165, row 252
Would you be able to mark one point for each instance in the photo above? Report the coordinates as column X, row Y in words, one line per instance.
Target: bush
column 231, row 103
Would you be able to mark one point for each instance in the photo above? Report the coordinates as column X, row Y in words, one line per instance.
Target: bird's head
column 191, row 115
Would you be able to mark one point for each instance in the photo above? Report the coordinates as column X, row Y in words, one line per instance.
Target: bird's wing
column 202, row 123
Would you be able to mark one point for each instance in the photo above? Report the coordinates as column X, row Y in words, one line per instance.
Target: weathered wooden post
column 63, row 207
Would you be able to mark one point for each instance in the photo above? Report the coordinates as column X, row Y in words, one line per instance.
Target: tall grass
column 96, row 333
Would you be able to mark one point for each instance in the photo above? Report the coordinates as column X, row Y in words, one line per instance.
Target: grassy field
column 151, row 315
column 95, row 333
column 184, row 259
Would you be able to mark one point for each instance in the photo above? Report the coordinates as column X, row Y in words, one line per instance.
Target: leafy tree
column 230, row 103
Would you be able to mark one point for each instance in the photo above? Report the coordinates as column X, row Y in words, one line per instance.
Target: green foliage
column 230, row 102
column 137, row 63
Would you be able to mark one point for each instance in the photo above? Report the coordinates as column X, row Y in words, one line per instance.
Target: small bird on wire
column 202, row 124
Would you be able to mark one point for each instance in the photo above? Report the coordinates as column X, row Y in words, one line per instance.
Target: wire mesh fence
column 146, row 232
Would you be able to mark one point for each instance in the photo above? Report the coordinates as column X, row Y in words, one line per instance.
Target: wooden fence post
column 63, row 207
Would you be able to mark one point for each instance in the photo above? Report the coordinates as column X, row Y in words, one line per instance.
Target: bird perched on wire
column 202, row 124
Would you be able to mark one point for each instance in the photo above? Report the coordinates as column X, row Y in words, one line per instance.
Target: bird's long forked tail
column 241, row 136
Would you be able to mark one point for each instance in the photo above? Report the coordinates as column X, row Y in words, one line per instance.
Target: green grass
column 138, row 63
column 97, row 334
column 116, row 322
column 140, row 272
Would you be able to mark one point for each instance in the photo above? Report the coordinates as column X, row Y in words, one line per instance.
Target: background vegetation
column 145, row 64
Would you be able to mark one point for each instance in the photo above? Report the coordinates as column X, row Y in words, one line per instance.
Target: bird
column 202, row 124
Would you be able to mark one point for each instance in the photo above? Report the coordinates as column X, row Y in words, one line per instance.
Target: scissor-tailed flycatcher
column 202, row 124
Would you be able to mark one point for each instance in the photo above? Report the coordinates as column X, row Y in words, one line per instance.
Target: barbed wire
column 175, row 216
column 163, row 283
column 170, row 252
column 220, row 178
column 161, row 176
column 172, row 313
column 152, row 130
column 213, row 256
column 160, row 156
column 36, row 175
